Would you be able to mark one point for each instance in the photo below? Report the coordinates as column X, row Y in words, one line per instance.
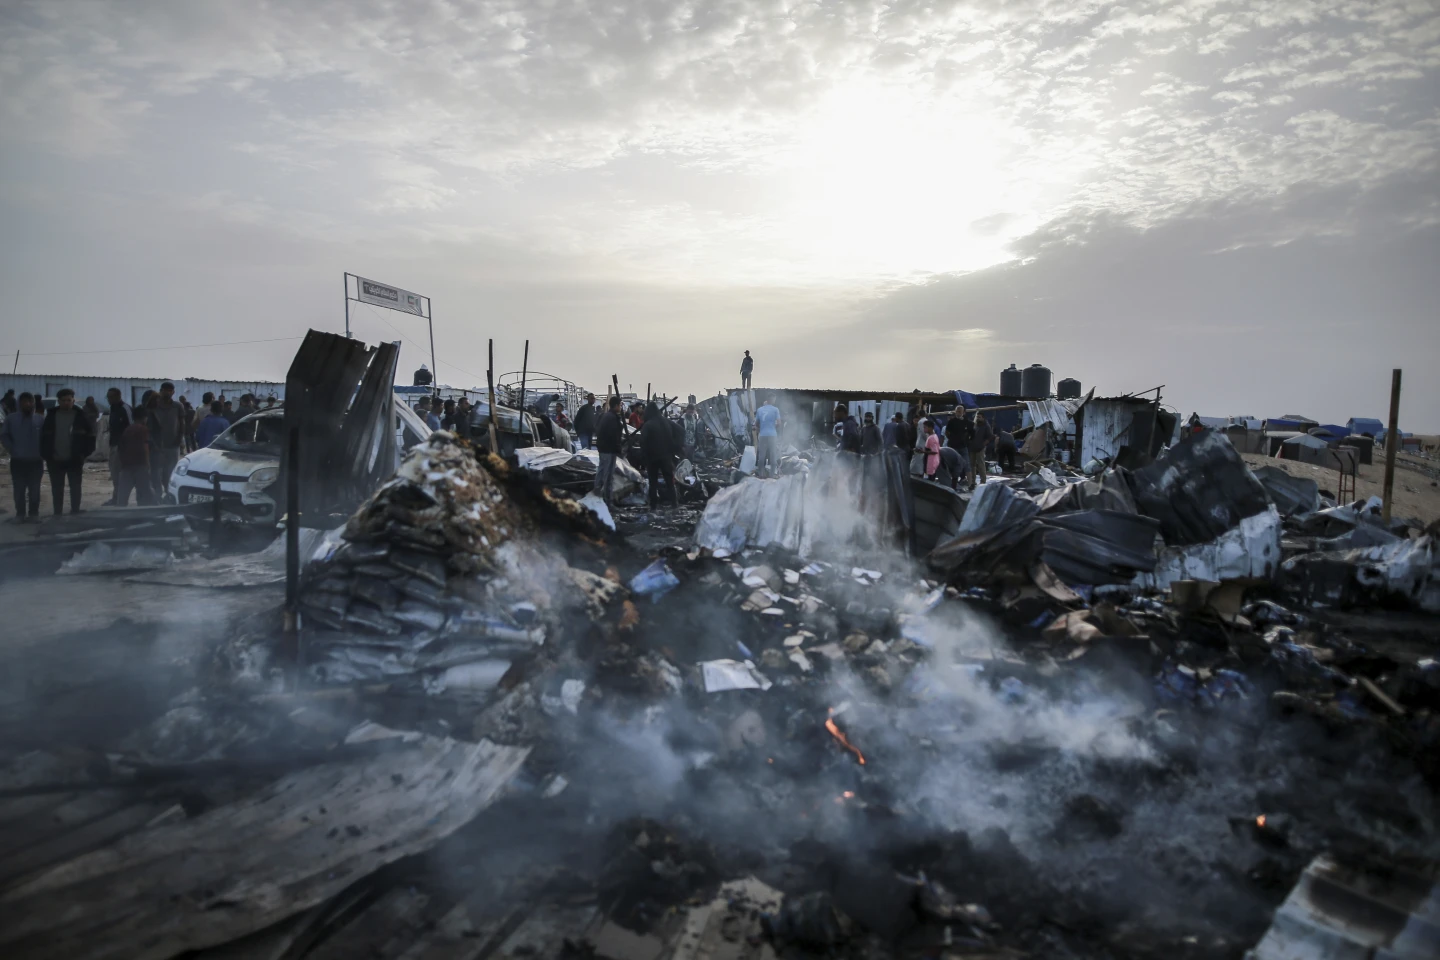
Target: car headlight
column 265, row 475
column 183, row 467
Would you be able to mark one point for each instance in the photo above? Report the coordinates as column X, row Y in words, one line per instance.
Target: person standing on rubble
column 981, row 440
column 1005, row 450
column 66, row 439
column 20, row 434
column 767, row 432
column 694, row 432
column 871, row 441
column 585, row 422
column 847, row 429
column 607, row 443
column 167, row 430
column 747, row 367
column 656, row 446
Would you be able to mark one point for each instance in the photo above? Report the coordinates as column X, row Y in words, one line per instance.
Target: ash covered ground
column 901, row 767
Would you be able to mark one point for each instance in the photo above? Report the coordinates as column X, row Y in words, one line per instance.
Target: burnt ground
column 1020, row 795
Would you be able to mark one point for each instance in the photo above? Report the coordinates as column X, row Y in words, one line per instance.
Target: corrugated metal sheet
column 1104, row 424
column 133, row 388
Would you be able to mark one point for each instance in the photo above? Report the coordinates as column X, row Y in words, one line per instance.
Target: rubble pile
column 1102, row 718
column 435, row 578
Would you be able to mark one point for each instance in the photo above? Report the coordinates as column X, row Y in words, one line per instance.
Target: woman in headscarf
column 932, row 449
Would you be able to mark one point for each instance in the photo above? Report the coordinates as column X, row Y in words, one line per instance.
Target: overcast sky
column 1240, row 200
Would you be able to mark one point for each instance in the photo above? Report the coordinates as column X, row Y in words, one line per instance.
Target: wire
column 378, row 316
column 186, row 346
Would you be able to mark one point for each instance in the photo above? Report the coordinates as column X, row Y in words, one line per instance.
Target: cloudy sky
column 1240, row 200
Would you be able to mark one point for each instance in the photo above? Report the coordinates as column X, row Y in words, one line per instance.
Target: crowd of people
column 145, row 442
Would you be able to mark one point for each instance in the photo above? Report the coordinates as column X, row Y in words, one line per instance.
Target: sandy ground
column 1417, row 482
column 95, row 489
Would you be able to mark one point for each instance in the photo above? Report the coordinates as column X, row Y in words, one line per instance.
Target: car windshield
column 254, row 434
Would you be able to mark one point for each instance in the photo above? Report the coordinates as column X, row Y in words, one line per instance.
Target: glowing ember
column 1260, row 820
column 848, row 794
column 839, row 734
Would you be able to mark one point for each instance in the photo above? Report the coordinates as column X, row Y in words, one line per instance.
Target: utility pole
column 1392, row 445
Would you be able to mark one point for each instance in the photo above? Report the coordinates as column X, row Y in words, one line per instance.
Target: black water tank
column 1011, row 382
column 1068, row 389
column 1035, row 381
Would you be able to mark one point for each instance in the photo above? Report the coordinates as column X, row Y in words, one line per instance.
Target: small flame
column 838, row 734
column 848, row 794
column 1260, row 820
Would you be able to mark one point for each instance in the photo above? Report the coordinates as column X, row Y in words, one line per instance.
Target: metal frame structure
column 428, row 316
column 539, row 382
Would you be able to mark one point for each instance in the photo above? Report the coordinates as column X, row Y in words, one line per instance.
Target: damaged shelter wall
column 844, row 502
column 1102, row 427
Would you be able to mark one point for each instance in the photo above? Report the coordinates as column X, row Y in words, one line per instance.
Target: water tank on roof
column 1068, row 389
column 1011, row 382
column 1035, row 381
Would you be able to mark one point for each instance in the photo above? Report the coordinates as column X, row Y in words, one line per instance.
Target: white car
column 245, row 459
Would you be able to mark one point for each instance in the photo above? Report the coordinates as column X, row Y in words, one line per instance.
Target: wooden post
column 490, row 381
column 1392, row 444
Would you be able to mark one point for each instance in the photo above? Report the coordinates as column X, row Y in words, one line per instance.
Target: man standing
column 463, row 418
column 694, row 431
column 120, row 417
column 959, row 434
column 870, row 439
column 211, row 427
column 67, row 438
column 20, row 435
column 8, row 403
column 981, row 439
column 422, row 409
column 656, row 448
column 247, row 406
column 167, row 429
column 767, row 450
column 1005, row 450
column 135, row 471
column 747, row 367
column 585, row 422
column 607, row 442
column 893, row 432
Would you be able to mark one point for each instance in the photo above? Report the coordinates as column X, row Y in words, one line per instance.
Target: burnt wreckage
column 1175, row 711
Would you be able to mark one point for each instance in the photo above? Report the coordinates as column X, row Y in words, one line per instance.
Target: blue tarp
column 967, row 400
column 1299, row 426
column 1335, row 430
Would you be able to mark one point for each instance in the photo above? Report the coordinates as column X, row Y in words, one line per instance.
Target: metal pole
column 292, row 545
column 1392, row 444
column 524, row 369
column 215, row 511
column 490, row 379
column 434, row 370
column 345, row 286
column 17, row 363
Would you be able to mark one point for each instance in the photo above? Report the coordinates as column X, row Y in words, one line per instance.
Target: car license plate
column 201, row 498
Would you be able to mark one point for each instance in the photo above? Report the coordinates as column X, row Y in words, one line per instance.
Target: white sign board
column 383, row 295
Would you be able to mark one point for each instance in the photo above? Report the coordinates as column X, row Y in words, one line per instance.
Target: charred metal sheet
column 339, row 395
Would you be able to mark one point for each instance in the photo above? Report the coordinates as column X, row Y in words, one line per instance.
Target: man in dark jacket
column 978, row 444
column 21, row 435
column 120, row 416
column 8, row 403
column 870, row 439
column 585, row 422
column 166, row 424
column 747, row 367
column 847, row 429
column 607, row 442
column 67, row 438
column 657, row 444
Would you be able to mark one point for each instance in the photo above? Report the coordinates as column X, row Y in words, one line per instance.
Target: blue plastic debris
column 1177, row 683
column 744, row 650
column 654, row 581
column 1041, row 621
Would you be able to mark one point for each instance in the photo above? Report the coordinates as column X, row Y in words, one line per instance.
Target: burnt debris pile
column 1182, row 711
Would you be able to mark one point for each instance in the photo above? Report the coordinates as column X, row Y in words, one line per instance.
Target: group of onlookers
column 144, row 445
